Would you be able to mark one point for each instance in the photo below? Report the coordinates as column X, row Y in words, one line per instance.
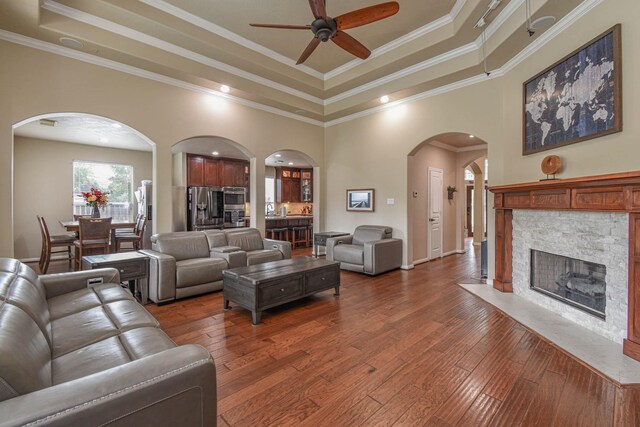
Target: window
column 468, row 175
column 115, row 179
column 486, row 169
column 270, row 194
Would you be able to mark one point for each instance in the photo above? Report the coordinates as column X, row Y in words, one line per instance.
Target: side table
column 320, row 239
column 133, row 267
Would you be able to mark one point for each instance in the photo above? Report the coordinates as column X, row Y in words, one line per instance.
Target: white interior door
column 434, row 228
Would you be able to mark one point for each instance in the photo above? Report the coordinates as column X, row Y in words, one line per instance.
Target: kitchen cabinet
column 215, row 172
column 306, row 185
column 287, row 185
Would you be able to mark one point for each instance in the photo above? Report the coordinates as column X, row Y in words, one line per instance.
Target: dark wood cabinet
column 287, row 185
column 215, row 172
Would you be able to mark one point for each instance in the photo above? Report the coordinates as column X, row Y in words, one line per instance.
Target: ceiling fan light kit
column 325, row 28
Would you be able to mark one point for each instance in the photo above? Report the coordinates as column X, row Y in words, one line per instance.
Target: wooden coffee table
column 262, row 286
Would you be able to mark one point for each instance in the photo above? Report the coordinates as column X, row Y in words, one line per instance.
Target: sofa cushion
column 215, row 238
column 81, row 329
column 247, row 239
column 73, row 302
column 129, row 314
column 370, row 233
column 182, row 246
column 264, row 255
column 143, row 342
column 352, row 254
column 191, row 272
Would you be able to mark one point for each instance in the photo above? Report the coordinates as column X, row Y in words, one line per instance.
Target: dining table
column 74, row 226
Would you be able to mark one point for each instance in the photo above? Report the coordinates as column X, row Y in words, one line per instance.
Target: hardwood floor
column 404, row 348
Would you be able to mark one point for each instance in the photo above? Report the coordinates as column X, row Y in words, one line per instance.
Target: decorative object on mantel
column 450, row 191
column 551, row 165
column 360, row 200
column 95, row 198
column 577, row 98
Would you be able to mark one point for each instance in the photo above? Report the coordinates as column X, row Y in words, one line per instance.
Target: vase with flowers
column 97, row 199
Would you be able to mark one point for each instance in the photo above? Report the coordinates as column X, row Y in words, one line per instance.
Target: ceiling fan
column 325, row 27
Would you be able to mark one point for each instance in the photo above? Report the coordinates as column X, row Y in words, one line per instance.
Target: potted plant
column 450, row 191
column 95, row 198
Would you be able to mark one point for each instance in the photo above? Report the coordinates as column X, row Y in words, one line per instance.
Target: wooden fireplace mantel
column 619, row 192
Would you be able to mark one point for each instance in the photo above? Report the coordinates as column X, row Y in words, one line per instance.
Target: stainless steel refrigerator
column 205, row 208
column 144, row 196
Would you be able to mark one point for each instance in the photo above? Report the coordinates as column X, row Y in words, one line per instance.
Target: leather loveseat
column 187, row 263
column 370, row 250
column 77, row 349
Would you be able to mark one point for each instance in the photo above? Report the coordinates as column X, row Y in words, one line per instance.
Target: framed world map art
column 577, row 98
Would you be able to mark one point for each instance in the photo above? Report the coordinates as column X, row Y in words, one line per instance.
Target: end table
column 133, row 267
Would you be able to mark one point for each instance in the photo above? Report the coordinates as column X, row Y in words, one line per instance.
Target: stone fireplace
column 595, row 220
column 574, row 264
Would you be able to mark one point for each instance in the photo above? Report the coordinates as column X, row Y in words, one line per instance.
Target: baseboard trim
column 53, row 258
column 420, row 261
column 490, row 282
column 454, row 252
column 407, row 266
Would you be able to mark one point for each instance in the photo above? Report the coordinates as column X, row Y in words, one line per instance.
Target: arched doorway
column 202, row 167
column 51, row 151
column 436, row 205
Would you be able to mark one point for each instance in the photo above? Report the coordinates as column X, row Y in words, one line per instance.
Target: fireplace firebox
column 578, row 283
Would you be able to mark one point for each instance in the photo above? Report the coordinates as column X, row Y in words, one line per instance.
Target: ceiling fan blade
column 351, row 45
column 286, row 27
column 309, row 50
column 318, row 9
column 367, row 15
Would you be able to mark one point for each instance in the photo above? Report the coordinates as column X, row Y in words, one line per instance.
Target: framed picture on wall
column 577, row 98
column 360, row 200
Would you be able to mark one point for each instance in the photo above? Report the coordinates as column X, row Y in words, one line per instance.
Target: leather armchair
column 370, row 250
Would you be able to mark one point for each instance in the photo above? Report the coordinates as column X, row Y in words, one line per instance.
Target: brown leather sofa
column 370, row 250
column 75, row 353
column 188, row 263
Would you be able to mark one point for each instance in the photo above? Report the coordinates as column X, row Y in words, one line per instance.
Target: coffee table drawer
column 322, row 279
column 283, row 290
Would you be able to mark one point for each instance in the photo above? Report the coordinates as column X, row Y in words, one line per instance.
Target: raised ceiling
column 427, row 45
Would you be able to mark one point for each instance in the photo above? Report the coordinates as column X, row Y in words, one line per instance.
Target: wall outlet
column 391, row 201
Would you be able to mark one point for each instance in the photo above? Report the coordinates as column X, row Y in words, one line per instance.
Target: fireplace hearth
column 580, row 284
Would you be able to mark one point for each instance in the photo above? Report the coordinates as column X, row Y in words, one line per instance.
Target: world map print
column 573, row 100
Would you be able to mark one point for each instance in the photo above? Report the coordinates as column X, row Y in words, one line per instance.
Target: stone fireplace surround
column 603, row 193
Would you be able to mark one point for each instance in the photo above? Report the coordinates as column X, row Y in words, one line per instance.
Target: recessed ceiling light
column 103, row 139
column 116, row 125
column 48, row 122
column 542, row 22
column 278, row 155
column 290, row 163
column 471, row 136
column 72, row 43
column 384, row 99
column 215, row 153
column 225, row 89
column 300, row 111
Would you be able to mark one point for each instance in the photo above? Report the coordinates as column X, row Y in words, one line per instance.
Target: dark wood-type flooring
column 406, row 348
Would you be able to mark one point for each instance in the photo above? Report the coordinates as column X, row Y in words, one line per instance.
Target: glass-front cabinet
column 306, row 185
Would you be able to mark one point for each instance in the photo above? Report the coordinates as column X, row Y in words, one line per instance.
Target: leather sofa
column 188, row 263
column 370, row 250
column 77, row 349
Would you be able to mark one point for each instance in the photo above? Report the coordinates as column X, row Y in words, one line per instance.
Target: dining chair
column 94, row 238
column 50, row 242
column 134, row 237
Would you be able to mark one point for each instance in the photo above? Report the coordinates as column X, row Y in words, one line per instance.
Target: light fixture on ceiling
column 471, row 136
column 538, row 24
column 215, row 153
column 72, row 43
column 116, row 125
column 384, row 99
column 279, row 161
column 290, row 163
column 48, row 122
column 225, row 89
column 303, row 112
column 104, row 140
column 490, row 8
column 278, row 155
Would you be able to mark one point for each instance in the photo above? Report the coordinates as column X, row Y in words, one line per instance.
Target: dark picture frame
column 561, row 106
column 361, row 200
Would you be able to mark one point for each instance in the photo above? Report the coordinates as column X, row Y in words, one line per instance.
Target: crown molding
column 138, row 72
column 138, row 36
column 229, row 35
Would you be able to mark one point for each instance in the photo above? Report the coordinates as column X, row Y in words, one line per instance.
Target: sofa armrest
column 162, row 276
column 332, row 242
column 281, row 245
column 234, row 259
column 382, row 255
column 170, row 388
column 63, row 283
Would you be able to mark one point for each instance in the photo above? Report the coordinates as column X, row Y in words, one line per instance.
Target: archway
column 213, row 162
column 48, row 148
column 447, row 155
column 476, row 206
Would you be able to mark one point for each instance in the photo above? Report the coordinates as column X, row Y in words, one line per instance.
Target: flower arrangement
column 95, row 197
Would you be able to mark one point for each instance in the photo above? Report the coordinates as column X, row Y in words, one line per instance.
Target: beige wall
column 44, row 184
column 418, row 172
column 164, row 114
column 371, row 152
